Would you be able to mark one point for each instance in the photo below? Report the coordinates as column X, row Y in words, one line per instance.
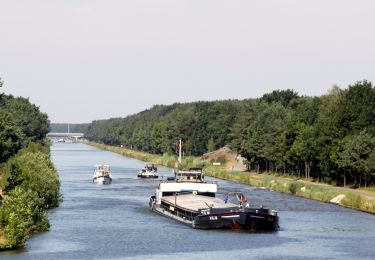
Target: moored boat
column 192, row 201
column 149, row 171
column 102, row 174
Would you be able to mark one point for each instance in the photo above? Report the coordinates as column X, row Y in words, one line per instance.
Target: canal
column 114, row 222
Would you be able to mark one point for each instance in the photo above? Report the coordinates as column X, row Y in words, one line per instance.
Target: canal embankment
column 346, row 197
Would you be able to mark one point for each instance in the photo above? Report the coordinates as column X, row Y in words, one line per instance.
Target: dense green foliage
column 63, row 128
column 21, row 213
column 11, row 136
column 29, row 182
column 20, row 123
column 32, row 169
column 158, row 130
column 328, row 138
column 31, row 185
column 27, row 116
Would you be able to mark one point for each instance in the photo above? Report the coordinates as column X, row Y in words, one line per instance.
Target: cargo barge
column 192, row 201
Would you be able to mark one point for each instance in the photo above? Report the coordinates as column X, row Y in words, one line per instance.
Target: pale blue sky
column 81, row 60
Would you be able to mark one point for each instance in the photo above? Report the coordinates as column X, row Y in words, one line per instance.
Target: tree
column 355, row 109
column 34, row 124
column 370, row 164
column 356, row 155
column 263, row 135
column 301, row 136
column 304, row 147
column 285, row 97
column 11, row 136
column 157, row 137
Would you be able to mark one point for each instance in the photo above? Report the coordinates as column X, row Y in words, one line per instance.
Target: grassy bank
column 295, row 187
column 300, row 188
column 165, row 159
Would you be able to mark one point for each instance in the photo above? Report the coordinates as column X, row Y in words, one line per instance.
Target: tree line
column 330, row 138
column 29, row 182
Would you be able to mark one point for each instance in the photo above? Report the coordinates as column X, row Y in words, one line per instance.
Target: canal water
column 114, row 222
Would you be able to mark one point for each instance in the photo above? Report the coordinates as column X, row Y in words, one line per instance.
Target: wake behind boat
column 102, row 174
column 191, row 200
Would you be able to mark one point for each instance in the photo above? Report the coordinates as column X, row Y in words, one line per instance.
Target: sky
column 81, row 60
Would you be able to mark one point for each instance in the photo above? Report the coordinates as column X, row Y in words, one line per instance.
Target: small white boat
column 102, row 174
column 61, row 140
column 149, row 171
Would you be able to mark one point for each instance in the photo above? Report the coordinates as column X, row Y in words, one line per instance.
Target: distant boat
column 102, row 174
column 61, row 140
column 149, row 171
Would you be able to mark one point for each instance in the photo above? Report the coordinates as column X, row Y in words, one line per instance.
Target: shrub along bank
column 30, row 185
column 285, row 185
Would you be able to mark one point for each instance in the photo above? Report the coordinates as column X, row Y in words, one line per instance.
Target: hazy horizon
column 87, row 60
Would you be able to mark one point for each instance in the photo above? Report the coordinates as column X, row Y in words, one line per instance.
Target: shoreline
column 349, row 198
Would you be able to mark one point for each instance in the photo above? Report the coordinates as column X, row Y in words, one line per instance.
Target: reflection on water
column 113, row 221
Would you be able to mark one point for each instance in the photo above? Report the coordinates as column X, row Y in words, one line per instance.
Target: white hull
column 102, row 180
column 149, row 171
column 102, row 174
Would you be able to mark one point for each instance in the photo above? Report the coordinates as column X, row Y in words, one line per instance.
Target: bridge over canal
column 71, row 136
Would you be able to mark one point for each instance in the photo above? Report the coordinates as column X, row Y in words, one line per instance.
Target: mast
column 179, row 152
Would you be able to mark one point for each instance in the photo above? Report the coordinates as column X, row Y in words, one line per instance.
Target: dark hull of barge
column 237, row 220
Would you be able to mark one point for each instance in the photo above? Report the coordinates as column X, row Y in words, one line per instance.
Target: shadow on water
column 114, row 222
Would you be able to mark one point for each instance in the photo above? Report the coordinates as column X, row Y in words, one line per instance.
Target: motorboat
column 149, row 171
column 102, row 174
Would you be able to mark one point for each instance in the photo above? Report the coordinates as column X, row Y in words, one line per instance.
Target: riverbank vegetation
column 328, row 139
column 29, row 184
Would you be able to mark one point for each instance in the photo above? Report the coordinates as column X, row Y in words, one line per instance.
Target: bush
column 22, row 212
column 30, row 184
column 293, row 188
column 33, row 171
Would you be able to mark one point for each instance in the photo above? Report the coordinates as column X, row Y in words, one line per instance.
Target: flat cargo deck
column 194, row 202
